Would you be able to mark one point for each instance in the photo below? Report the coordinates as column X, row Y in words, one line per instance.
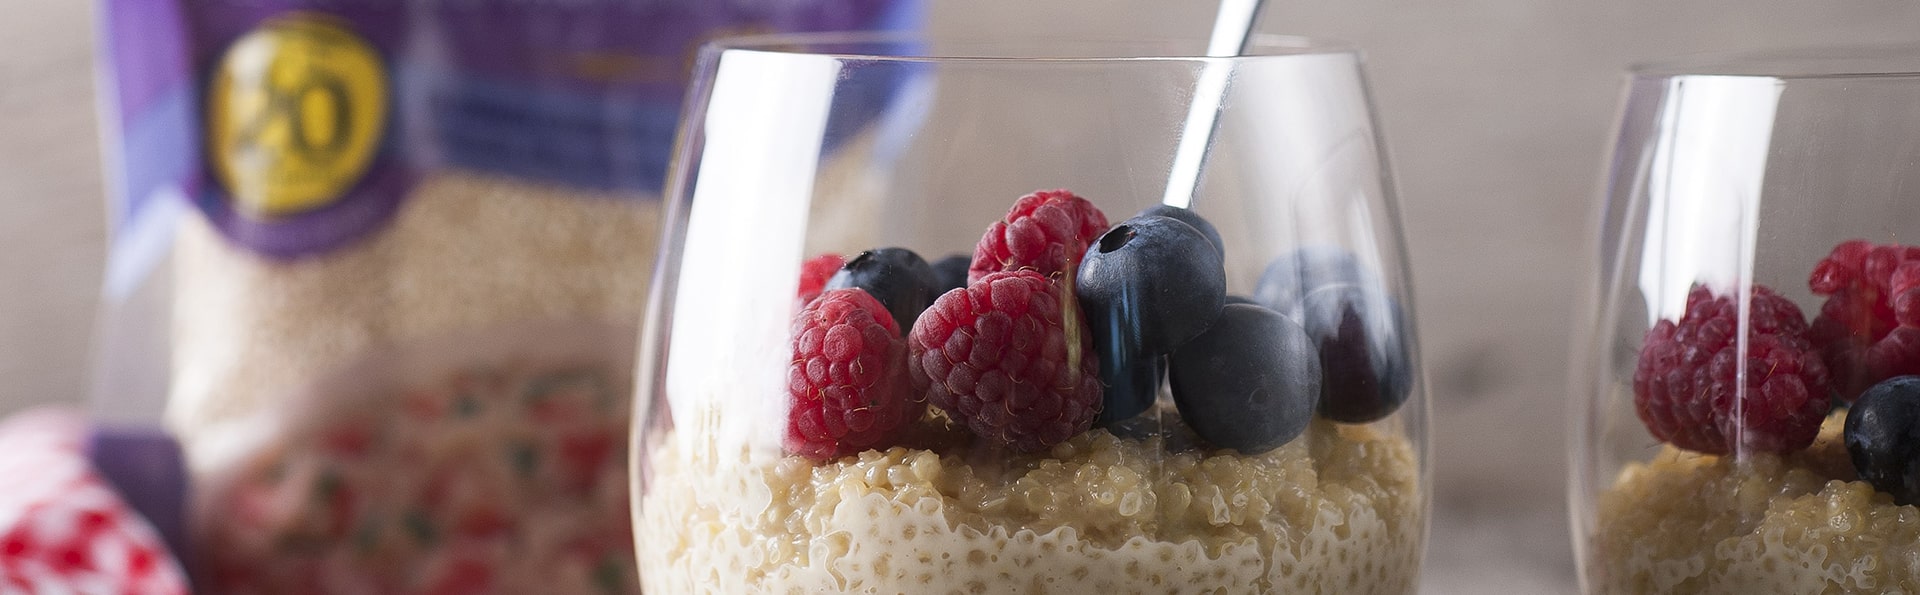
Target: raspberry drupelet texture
column 1869, row 328
column 1047, row 231
column 814, row 274
column 1008, row 356
column 847, row 381
column 1687, row 391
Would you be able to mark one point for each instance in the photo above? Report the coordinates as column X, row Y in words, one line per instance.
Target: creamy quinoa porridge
column 1802, row 523
column 1335, row 512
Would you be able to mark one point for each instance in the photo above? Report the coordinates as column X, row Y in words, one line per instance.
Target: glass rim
column 849, row 45
column 1818, row 62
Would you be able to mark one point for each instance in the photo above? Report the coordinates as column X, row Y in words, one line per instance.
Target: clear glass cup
column 1740, row 422
column 978, row 445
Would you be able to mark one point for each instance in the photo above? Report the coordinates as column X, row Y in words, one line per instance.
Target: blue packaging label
column 299, row 126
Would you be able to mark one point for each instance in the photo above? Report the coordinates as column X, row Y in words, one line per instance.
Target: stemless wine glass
column 1744, row 427
column 1220, row 397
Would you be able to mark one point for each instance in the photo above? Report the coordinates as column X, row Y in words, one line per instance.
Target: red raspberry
column 1010, row 357
column 850, row 391
column 1685, row 388
column 1866, row 329
column 1047, row 231
column 814, row 275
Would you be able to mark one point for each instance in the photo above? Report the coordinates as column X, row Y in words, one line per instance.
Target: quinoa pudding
column 1802, row 523
column 1338, row 511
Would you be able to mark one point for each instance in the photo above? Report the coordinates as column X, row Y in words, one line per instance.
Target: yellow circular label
column 295, row 114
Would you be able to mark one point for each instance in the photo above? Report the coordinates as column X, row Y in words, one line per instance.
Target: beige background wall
column 1498, row 114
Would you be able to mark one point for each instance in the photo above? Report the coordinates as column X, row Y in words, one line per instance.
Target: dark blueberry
column 1363, row 352
column 1129, row 377
column 1249, row 383
column 900, row 279
column 1129, row 391
column 951, row 273
column 1188, row 217
column 1289, row 278
column 1146, row 286
column 1235, row 299
column 1152, row 285
column 1883, row 437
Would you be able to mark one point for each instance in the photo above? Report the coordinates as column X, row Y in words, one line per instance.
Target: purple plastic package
column 375, row 272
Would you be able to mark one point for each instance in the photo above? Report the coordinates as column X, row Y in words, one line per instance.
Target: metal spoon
column 1231, row 29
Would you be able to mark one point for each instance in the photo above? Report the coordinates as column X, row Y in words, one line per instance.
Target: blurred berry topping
column 1361, row 331
column 1284, row 284
column 1866, row 330
column 1361, row 334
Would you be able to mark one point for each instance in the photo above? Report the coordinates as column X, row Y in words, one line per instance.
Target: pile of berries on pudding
column 1059, row 322
column 1862, row 348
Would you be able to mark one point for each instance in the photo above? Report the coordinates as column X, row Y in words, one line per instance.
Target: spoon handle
column 1232, row 27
